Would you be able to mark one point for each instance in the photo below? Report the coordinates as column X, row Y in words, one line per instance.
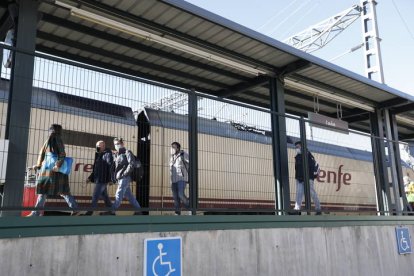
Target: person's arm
column 109, row 159
column 131, row 163
column 311, row 164
column 186, row 157
column 42, row 154
column 60, row 152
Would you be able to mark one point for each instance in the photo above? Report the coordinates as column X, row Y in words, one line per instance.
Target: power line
column 402, row 19
column 301, row 18
column 287, row 18
column 276, row 15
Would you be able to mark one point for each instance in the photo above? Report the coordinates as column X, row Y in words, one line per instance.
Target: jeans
column 179, row 196
column 100, row 191
column 300, row 194
column 41, row 201
column 124, row 191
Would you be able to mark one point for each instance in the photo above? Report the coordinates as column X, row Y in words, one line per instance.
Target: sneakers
column 189, row 213
column 318, row 213
column 32, row 214
column 88, row 213
column 108, row 213
column 295, row 213
column 74, row 213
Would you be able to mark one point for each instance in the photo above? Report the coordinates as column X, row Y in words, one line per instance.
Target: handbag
column 50, row 161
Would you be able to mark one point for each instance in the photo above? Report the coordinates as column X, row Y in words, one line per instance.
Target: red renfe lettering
column 335, row 177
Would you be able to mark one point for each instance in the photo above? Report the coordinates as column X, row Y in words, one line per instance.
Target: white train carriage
column 84, row 122
column 235, row 166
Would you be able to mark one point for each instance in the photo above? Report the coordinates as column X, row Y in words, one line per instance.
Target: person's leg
column 314, row 196
column 128, row 194
column 131, row 198
column 299, row 195
column 120, row 192
column 70, row 200
column 40, row 202
column 174, row 188
column 107, row 200
column 181, row 189
column 96, row 194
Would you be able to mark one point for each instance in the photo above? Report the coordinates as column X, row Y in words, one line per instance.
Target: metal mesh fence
column 236, row 166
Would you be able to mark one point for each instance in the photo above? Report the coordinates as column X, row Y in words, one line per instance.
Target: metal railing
column 234, row 169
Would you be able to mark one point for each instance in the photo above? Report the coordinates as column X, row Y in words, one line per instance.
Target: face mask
column 118, row 147
column 98, row 149
column 172, row 151
column 298, row 151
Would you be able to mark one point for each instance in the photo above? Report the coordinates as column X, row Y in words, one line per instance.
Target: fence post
column 19, row 105
column 380, row 162
column 305, row 164
column 279, row 145
column 193, row 150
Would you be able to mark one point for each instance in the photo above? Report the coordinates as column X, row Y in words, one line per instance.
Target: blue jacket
column 102, row 167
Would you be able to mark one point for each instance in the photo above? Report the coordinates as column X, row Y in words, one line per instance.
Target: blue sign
column 163, row 257
column 403, row 240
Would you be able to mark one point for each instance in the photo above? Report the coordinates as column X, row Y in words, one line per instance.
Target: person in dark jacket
column 101, row 175
column 51, row 182
column 300, row 179
column 124, row 166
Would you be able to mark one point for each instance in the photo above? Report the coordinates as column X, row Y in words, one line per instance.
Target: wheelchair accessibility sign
column 163, row 257
column 403, row 240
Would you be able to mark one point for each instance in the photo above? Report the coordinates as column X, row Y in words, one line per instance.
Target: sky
column 281, row 19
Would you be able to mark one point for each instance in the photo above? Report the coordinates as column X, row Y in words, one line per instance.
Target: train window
column 82, row 139
column 93, row 105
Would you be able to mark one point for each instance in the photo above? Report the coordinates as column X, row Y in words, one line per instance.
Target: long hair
column 55, row 129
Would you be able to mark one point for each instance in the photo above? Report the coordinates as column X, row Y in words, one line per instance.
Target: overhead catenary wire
column 288, row 17
column 316, row 4
column 403, row 20
column 276, row 15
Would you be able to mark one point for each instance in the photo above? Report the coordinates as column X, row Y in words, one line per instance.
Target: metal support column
column 372, row 50
column 392, row 162
column 398, row 167
column 279, row 145
column 305, row 163
column 19, row 105
column 193, row 150
column 380, row 163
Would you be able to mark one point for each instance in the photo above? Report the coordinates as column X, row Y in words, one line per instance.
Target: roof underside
column 64, row 35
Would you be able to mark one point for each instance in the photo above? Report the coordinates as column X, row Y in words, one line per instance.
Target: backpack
column 316, row 168
column 138, row 171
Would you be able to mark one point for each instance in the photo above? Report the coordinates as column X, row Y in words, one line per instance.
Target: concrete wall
column 357, row 250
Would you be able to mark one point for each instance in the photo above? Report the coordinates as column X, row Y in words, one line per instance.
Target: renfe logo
column 335, row 177
column 86, row 167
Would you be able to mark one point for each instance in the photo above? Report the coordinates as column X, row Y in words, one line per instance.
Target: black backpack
column 138, row 171
column 316, row 168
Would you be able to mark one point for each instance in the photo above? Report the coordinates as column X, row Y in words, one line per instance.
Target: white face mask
column 172, row 151
column 298, row 151
column 118, row 147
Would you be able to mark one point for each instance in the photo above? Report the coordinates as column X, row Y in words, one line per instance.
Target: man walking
column 300, row 179
column 124, row 166
column 101, row 175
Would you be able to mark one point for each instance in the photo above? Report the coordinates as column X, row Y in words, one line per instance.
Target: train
column 235, row 164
